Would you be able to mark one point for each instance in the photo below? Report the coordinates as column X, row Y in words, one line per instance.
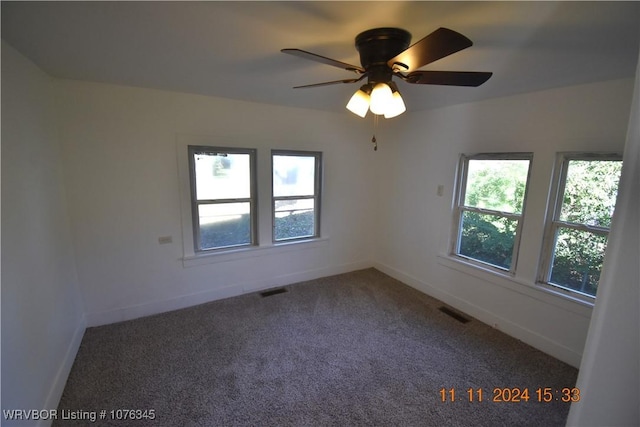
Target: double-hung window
column 489, row 206
column 582, row 202
column 296, row 185
column 223, row 197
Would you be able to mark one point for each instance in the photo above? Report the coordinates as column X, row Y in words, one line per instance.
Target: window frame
column 554, row 223
column 459, row 208
column 317, row 196
column 195, row 203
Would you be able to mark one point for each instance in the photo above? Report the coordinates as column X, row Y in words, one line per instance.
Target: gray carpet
column 355, row 349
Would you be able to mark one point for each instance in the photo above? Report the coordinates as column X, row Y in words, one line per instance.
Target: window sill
column 234, row 254
column 541, row 292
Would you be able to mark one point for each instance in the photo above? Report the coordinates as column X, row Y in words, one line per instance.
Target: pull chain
column 375, row 126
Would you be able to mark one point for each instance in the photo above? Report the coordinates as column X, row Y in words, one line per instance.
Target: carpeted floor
column 355, row 349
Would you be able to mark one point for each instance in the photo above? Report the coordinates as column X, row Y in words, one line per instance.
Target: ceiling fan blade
column 324, row 60
column 331, row 83
column 442, row 42
column 448, row 78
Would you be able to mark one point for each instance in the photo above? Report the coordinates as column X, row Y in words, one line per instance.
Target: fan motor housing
column 378, row 45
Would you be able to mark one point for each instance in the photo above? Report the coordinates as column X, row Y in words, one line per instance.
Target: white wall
column 415, row 224
column 121, row 149
column 122, row 190
column 42, row 314
column 610, row 370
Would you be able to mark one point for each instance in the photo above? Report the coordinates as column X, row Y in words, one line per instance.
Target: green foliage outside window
column 578, row 260
column 590, row 192
column 487, row 238
column 589, row 198
column 498, row 185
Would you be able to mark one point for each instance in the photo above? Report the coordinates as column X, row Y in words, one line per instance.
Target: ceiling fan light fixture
column 359, row 103
column 381, row 97
column 385, row 53
column 395, row 107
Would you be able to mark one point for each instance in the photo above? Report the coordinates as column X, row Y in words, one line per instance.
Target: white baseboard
column 189, row 300
column 57, row 388
column 534, row 339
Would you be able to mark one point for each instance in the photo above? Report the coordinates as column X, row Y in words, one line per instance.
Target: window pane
column 578, row 260
column 488, row 238
column 222, row 176
column 496, row 184
column 293, row 175
column 590, row 192
column 224, row 224
column 294, row 219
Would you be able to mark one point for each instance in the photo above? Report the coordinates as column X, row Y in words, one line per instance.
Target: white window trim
column 552, row 221
column 553, row 296
column 192, row 259
column 317, row 196
column 459, row 208
column 234, row 254
column 252, row 199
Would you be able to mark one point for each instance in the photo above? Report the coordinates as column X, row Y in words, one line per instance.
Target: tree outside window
column 576, row 236
column 489, row 208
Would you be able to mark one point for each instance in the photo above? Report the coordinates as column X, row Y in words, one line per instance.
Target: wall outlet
column 165, row 239
column 440, row 190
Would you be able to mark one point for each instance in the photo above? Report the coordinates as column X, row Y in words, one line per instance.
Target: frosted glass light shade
column 395, row 107
column 381, row 97
column 359, row 103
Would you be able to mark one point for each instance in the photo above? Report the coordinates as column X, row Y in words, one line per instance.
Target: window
column 296, row 177
column 223, row 200
column 583, row 200
column 489, row 208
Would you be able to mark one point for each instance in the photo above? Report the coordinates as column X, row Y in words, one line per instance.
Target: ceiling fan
column 385, row 53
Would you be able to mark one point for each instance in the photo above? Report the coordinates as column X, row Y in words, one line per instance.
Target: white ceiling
column 232, row 49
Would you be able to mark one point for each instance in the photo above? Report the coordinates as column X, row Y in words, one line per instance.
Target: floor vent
column 459, row 317
column 272, row 292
